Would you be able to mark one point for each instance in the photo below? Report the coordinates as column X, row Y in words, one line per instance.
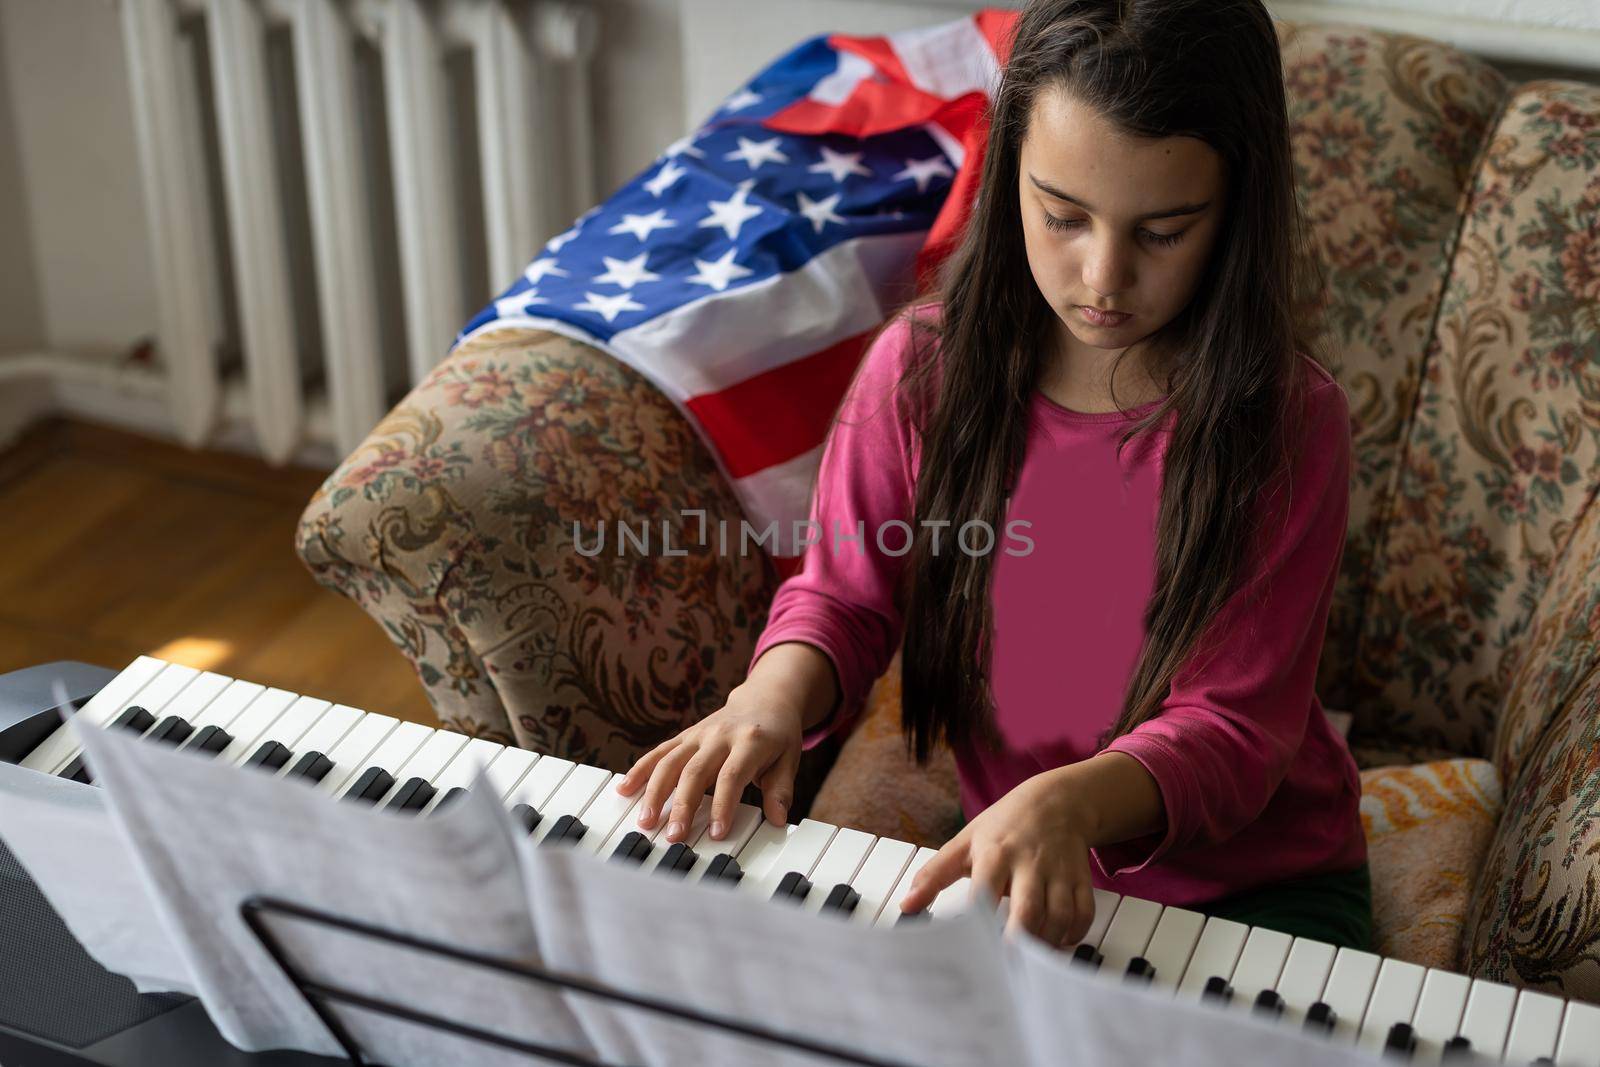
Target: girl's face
column 1113, row 222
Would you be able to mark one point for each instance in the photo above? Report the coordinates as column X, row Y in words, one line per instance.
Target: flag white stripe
column 949, row 59
column 836, row 88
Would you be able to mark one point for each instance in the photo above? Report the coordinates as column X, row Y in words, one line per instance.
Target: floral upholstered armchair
column 1458, row 218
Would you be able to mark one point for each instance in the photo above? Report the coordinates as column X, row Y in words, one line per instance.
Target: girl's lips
column 1099, row 318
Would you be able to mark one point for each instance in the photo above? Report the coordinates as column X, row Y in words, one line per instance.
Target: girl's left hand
column 1033, row 844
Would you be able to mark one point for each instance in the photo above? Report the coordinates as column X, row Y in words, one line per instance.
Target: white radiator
column 304, row 281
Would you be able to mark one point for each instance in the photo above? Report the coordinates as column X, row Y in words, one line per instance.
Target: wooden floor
column 113, row 545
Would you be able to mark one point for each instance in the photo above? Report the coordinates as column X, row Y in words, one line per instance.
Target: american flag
column 743, row 271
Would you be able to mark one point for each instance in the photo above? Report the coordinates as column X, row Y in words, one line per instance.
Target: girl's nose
column 1108, row 270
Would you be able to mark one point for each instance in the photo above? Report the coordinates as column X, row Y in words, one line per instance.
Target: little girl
column 1096, row 491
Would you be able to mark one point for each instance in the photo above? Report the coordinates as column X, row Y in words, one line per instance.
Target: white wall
column 20, row 323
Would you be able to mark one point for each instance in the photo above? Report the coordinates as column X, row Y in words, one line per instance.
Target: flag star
column 517, row 303
column 925, row 170
column 608, row 306
column 733, row 213
column 542, row 266
column 820, row 212
column 626, row 272
column 740, row 100
column 755, row 153
column 665, row 178
column 840, row 165
column 683, row 146
column 718, row 273
column 641, row 226
column 559, row 241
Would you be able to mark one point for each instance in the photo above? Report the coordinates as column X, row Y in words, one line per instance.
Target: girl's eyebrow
column 1181, row 209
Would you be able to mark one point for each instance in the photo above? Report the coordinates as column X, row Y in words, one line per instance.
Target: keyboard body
column 1387, row 1006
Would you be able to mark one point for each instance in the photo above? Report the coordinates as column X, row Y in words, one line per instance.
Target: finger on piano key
column 158, row 690
column 1305, row 975
column 839, row 865
column 1172, row 943
column 1127, row 934
column 1579, row 1044
column 1393, row 1000
column 1438, row 1015
column 1487, row 1018
column 747, row 818
column 563, row 812
column 422, row 767
column 878, row 876
column 365, row 780
column 621, row 832
column 252, row 723
column 1349, row 988
column 463, row 770
column 686, row 857
column 1260, row 964
column 326, row 733
column 1215, row 954
column 952, row 900
column 57, row 750
column 891, row 907
column 802, row 847
column 1535, row 1025
column 286, row 730
column 1087, row 950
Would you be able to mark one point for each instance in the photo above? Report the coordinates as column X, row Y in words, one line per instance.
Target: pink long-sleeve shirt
column 1256, row 784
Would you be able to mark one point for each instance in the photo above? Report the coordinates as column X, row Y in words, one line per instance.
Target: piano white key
column 762, row 848
column 1579, row 1045
column 802, row 847
column 1487, row 1018
column 747, row 818
column 426, row 762
column 952, row 899
column 1215, row 953
column 462, row 771
column 846, row 853
column 1260, row 964
column 287, row 729
column 509, row 768
column 540, row 783
column 891, row 907
column 1534, row 1027
column 227, row 707
column 1349, row 988
column 157, row 694
column 1438, row 1015
column 396, row 748
column 1128, row 934
column 1105, row 906
column 883, row 867
column 630, row 825
column 350, row 754
column 325, row 734
column 1393, row 1000
column 253, row 723
column 608, row 811
column 577, row 791
column 1176, row 934
column 1305, row 974
column 59, row 749
column 192, row 699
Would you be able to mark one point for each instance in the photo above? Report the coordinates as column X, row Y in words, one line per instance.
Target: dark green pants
column 1336, row 908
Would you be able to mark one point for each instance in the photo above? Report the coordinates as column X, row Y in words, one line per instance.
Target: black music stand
column 319, row 995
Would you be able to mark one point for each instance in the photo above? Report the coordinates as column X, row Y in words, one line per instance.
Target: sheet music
column 207, row 836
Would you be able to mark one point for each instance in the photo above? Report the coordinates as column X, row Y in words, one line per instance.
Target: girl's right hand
column 754, row 737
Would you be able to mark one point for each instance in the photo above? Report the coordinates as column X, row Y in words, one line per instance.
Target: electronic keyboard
column 1384, row 1005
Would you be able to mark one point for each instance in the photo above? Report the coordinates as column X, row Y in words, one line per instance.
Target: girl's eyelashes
column 1053, row 223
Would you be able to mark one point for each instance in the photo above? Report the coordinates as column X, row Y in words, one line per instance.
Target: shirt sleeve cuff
column 1177, row 792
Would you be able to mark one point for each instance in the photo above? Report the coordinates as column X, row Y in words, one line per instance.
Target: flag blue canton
column 730, row 206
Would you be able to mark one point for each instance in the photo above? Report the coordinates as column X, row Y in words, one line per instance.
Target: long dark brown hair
column 1230, row 367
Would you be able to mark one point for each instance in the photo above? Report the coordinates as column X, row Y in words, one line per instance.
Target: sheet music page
column 63, row 835
column 1071, row 1016
column 207, row 836
column 927, row 994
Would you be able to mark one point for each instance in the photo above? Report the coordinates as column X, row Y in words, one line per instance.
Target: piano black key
column 77, row 771
column 1217, row 988
column 450, row 798
column 909, row 918
column 1087, row 955
column 633, row 848
column 792, row 887
column 1320, row 1018
column 527, row 816
column 842, row 899
column 211, row 739
column 313, row 767
column 568, row 830
column 371, row 786
column 173, row 730
column 1458, row 1046
column 679, row 858
column 723, row 868
column 1269, row 1003
column 1401, row 1042
column 134, row 718
column 1140, row 970
column 412, row 796
column 272, row 756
